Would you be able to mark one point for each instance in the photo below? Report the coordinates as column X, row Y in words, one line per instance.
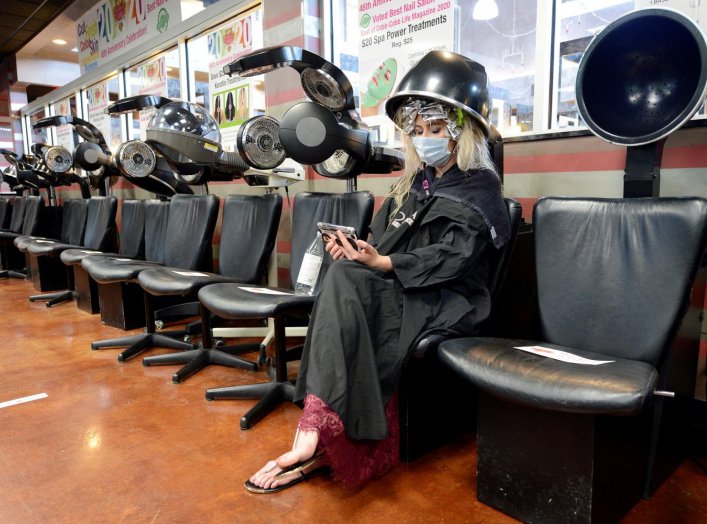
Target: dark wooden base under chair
column 47, row 273
column 86, row 291
column 121, row 305
column 547, row 466
column 436, row 406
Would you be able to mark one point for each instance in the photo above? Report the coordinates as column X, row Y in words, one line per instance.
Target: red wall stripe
column 685, row 157
column 571, row 162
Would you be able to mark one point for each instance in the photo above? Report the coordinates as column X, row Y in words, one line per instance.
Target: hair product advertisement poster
column 64, row 134
column 152, row 79
column 231, row 96
column 97, row 102
column 395, row 34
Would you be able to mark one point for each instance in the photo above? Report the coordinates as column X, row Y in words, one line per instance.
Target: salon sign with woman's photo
column 230, row 98
column 394, row 36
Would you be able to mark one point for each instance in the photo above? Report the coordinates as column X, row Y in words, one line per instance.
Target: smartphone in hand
column 328, row 232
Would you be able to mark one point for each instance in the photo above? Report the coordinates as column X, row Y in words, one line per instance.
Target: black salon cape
column 365, row 321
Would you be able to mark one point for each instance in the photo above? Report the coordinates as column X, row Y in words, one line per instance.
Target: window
column 506, row 46
column 577, row 23
column 231, row 100
column 96, row 99
column 66, row 135
column 38, row 136
column 531, row 51
column 157, row 76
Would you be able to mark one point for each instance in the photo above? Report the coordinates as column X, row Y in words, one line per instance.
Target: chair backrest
column 248, row 233
column 614, row 275
column 33, row 212
column 100, row 223
column 190, row 229
column 132, row 234
column 156, row 215
column 4, row 215
column 347, row 209
column 18, row 214
column 73, row 223
column 498, row 265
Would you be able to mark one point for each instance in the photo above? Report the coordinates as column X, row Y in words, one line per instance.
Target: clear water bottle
column 311, row 268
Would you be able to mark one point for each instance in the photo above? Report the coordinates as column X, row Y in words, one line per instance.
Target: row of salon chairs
column 556, row 440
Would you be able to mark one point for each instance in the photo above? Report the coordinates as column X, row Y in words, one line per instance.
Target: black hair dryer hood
column 326, row 132
column 639, row 80
column 642, row 77
column 310, row 134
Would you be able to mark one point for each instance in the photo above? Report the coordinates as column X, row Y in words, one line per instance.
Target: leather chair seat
column 74, row 256
column 235, row 301
column 621, row 387
column 46, row 247
column 22, row 242
column 174, row 281
column 107, row 269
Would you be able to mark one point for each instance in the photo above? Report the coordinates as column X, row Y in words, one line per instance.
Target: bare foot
column 304, row 448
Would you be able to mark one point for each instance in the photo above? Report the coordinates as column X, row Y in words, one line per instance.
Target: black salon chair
column 430, row 396
column 235, row 301
column 99, row 234
column 121, row 302
column 5, row 212
column 25, row 221
column 43, row 271
column 566, row 441
column 187, row 246
column 132, row 245
column 249, row 228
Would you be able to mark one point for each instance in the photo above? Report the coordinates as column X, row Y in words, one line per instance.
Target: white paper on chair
column 264, row 291
column 190, row 273
column 561, row 355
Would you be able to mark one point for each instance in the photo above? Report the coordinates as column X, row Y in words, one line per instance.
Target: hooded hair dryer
column 640, row 79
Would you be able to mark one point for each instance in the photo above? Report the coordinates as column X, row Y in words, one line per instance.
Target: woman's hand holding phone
column 364, row 252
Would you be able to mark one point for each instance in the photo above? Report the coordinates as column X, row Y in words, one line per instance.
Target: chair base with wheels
column 197, row 359
column 271, row 394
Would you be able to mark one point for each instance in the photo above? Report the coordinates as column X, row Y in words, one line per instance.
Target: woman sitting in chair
column 423, row 270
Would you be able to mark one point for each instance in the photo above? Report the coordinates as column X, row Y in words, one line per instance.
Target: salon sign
column 395, row 34
column 152, row 79
column 64, row 134
column 230, row 97
column 96, row 104
column 112, row 27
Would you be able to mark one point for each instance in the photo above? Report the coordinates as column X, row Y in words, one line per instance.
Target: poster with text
column 696, row 11
column 231, row 96
column 97, row 102
column 64, row 134
column 395, row 34
column 152, row 79
column 111, row 27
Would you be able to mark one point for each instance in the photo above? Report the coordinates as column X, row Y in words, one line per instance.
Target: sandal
column 305, row 470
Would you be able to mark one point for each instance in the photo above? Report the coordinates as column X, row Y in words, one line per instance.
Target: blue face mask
column 432, row 151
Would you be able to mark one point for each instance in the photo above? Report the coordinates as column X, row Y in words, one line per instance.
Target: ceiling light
column 485, row 10
column 74, row 49
column 59, row 41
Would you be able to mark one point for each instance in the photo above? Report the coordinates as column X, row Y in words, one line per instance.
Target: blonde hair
column 472, row 153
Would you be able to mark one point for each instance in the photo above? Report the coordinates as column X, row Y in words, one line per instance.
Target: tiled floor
column 120, row 443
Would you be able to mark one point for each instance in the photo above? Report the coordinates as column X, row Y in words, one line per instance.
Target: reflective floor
column 117, row 442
